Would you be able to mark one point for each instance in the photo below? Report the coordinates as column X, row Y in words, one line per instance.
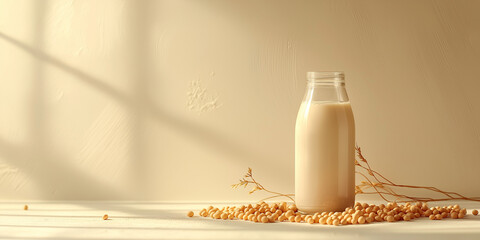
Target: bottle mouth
column 326, row 77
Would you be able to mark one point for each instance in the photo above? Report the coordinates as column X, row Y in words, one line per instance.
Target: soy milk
column 325, row 146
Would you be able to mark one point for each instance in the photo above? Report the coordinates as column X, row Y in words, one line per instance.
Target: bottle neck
column 326, row 93
column 326, row 87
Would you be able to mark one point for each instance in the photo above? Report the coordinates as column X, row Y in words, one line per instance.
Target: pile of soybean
column 361, row 213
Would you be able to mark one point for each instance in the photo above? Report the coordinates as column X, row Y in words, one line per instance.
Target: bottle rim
column 324, row 77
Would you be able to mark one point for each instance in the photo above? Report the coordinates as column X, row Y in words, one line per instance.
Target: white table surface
column 152, row 220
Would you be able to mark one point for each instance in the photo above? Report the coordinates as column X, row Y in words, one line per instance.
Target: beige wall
column 173, row 100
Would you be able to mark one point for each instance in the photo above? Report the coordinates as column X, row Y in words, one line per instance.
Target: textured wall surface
column 173, row 100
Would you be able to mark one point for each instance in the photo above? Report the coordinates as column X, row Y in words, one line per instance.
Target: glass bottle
column 325, row 146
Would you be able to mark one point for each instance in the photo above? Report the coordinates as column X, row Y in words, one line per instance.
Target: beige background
column 173, row 100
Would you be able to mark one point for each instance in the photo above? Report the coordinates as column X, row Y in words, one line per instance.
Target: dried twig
column 373, row 180
column 258, row 187
column 381, row 182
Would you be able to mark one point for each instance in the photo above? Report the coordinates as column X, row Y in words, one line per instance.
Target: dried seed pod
column 189, row 214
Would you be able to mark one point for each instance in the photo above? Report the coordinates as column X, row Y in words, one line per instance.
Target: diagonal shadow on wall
column 139, row 105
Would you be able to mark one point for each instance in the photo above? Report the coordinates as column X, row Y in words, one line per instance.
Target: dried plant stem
column 385, row 184
column 244, row 182
column 359, row 190
column 279, row 195
column 380, row 184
